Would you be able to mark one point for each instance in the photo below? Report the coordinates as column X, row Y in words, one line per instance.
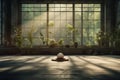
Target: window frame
column 73, row 4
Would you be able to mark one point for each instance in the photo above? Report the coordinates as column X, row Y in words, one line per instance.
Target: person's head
column 60, row 55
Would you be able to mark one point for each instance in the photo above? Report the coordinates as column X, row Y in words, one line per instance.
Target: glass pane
column 91, row 15
column 77, row 9
column 96, row 15
column 51, row 5
column 69, row 5
column 63, row 5
column 43, row 16
column 90, row 9
column 77, row 5
column 51, row 9
column 97, row 9
column 63, row 33
column 77, row 23
column 85, row 5
column 43, row 9
column 85, row 9
column 57, row 9
column 78, row 15
column 78, row 35
column 57, row 5
column 51, row 15
column 30, row 5
column 69, row 9
column 43, row 5
column 36, row 5
column 37, row 14
column 86, row 15
column 69, row 15
column 97, row 5
column 63, row 9
column 91, row 5
column 63, row 24
column 37, row 41
column 36, row 9
column 27, row 15
column 58, row 24
column 57, row 15
column 63, row 15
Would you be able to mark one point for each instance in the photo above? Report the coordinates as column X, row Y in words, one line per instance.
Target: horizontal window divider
column 33, row 11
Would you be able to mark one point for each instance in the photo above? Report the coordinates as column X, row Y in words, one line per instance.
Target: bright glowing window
column 69, row 22
column 87, row 22
column 34, row 23
column 60, row 15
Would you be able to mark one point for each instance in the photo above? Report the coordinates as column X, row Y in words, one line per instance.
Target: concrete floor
column 42, row 68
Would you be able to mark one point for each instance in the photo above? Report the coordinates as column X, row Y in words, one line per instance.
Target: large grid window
column 34, row 23
column 69, row 22
column 61, row 15
column 87, row 22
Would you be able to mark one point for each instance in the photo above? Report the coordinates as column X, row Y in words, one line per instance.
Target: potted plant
column 67, row 46
column 52, row 43
column 102, row 39
column 18, row 38
column 75, row 44
column 60, row 42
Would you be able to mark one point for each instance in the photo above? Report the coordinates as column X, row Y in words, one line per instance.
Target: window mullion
column 82, row 24
column 47, row 31
column 73, row 7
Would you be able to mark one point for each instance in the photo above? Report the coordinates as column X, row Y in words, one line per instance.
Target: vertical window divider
column 88, row 23
column 47, row 31
column 66, row 15
column 82, row 24
column 60, row 16
column 73, row 21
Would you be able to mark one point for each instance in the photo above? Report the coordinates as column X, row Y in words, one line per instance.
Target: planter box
column 54, row 51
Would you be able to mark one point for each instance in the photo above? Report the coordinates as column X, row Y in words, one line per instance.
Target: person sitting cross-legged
column 60, row 57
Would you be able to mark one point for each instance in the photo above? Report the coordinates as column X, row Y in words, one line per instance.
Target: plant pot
column 75, row 44
column 67, row 46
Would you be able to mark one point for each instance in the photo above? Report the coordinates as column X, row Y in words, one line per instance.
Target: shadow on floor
column 25, row 70
column 114, row 74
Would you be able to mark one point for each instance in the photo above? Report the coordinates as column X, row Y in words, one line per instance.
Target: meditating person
column 60, row 57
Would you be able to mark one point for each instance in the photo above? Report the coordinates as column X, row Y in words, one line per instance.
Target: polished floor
column 77, row 68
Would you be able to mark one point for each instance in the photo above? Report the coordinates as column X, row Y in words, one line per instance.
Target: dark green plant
column 69, row 30
column 103, row 39
column 18, row 38
column 116, row 38
column 60, row 42
column 109, row 39
column 42, row 38
column 67, row 46
column 30, row 38
column 52, row 43
column 51, row 24
column 75, row 44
